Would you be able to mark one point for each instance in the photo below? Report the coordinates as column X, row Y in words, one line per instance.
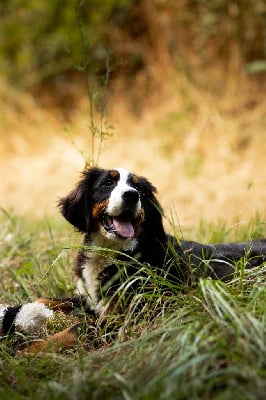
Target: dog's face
column 116, row 207
column 110, row 202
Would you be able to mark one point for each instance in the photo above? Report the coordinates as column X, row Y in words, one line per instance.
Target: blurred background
column 172, row 90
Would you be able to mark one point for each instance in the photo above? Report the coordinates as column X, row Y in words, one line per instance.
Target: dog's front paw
column 57, row 343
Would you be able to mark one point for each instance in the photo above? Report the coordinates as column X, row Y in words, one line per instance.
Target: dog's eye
column 108, row 182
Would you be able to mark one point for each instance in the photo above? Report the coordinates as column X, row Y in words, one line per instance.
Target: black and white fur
column 118, row 210
column 122, row 221
column 24, row 318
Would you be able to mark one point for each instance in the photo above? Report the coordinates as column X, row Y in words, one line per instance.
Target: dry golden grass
column 204, row 153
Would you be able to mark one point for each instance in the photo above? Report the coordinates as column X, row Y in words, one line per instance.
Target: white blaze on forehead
column 123, row 176
column 116, row 198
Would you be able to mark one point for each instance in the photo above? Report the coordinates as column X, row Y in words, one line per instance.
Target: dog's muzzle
column 124, row 223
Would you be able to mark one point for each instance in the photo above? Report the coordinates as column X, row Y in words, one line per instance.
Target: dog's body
column 121, row 220
column 118, row 211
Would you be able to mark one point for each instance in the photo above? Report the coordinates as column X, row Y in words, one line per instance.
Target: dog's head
column 113, row 202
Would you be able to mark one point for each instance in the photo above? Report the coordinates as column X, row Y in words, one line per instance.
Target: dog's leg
column 65, row 339
column 65, row 305
column 217, row 260
column 59, row 342
column 254, row 251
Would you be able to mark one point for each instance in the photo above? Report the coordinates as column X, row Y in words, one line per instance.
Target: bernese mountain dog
column 122, row 222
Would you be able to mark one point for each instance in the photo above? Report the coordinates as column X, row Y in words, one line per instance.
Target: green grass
column 203, row 342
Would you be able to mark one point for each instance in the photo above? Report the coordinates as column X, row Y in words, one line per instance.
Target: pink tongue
column 123, row 228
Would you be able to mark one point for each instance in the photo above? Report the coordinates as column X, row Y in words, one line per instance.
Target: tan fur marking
column 138, row 221
column 99, row 208
column 114, row 173
column 134, row 179
column 56, row 305
column 57, row 343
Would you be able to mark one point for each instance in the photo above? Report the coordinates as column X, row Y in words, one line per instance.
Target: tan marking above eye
column 134, row 179
column 114, row 174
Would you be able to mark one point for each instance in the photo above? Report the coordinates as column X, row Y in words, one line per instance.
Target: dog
column 122, row 222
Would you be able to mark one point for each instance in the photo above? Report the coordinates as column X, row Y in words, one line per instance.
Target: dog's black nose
column 131, row 197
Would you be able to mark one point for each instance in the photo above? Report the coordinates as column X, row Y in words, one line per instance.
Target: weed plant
column 170, row 342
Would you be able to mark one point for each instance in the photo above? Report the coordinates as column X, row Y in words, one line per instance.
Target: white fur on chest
column 96, row 261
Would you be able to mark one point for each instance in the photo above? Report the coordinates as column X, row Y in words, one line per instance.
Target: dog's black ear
column 153, row 233
column 76, row 206
column 147, row 193
column 152, row 207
